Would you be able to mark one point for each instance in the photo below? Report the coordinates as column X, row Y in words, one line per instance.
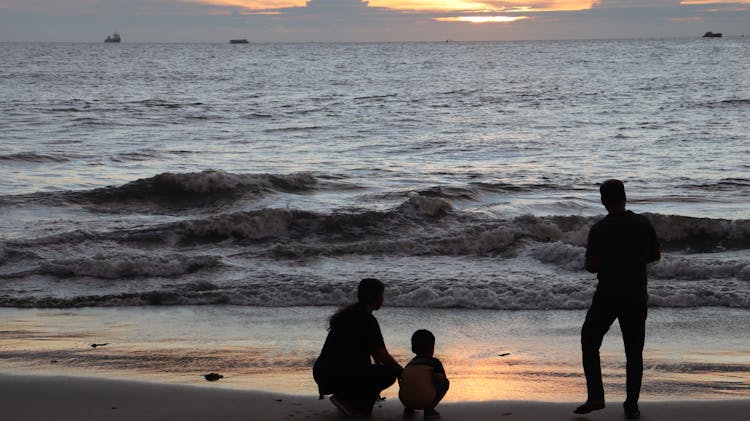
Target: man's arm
column 592, row 264
column 655, row 255
column 593, row 250
column 654, row 247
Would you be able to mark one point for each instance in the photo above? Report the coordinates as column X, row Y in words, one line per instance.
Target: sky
column 359, row 20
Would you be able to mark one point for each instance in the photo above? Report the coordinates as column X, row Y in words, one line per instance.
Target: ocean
column 191, row 181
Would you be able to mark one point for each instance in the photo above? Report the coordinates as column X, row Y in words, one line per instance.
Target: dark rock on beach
column 212, row 377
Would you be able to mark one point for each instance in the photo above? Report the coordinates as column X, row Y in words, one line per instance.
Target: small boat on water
column 238, row 41
column 113, row 38
column 710, row 34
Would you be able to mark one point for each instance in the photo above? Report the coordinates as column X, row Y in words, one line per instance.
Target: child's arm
column 438, row 372
column 438, row 369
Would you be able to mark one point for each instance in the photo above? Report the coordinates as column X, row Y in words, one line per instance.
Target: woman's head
column 370, row 293
column 369, row 297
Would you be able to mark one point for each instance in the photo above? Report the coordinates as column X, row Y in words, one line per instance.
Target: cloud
column 110, row 8
column 333, row 7
column 542, row 5
column 361, row 20
column 694, row 2
column 336, row 4
column 690, row 19
column 413, row 5
column 248, row 4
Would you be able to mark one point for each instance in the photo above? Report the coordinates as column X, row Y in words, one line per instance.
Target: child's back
column 423, row 382
column 418, row 389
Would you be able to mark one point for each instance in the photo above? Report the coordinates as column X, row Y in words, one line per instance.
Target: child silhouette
column 423, row 382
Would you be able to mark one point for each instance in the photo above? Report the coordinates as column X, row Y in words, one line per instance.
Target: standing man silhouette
column 619, row 248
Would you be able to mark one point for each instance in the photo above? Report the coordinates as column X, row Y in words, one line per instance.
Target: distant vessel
column 712, row 35
column 238, row 41
column 113, row 38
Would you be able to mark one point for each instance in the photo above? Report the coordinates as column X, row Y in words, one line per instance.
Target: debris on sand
column 212, row 377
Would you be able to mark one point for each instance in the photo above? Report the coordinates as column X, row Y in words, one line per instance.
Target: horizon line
column 740, row 36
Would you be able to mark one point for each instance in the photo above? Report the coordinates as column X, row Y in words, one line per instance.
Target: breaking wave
column 533, row 294
column 121, row 266
column 473, row 191
column 176, row 191
column 701, row 234
column 261, row 257
column 418, row 226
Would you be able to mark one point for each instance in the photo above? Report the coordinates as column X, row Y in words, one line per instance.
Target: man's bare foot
column 589, row 406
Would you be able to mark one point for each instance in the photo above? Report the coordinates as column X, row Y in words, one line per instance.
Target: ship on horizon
column 113, row 38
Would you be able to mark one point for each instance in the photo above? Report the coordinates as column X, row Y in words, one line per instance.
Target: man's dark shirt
column 624, row 244
column 350, row 343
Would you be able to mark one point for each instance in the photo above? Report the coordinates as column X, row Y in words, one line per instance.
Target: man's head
column 613, row 195
column 370, row 293
column 423, row 343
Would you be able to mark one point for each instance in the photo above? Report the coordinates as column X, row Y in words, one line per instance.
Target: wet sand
column 489, row 355
column 67, row 398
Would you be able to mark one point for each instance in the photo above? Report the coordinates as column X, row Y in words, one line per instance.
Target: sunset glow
column 483, row 19
column 448, row 5
column 252, row 4
column 487, row 6
column 422, row 5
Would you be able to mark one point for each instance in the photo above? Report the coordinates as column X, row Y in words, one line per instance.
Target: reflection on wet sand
column 273, row 350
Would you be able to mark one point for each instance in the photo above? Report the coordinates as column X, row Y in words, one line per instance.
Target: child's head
column 423, row 342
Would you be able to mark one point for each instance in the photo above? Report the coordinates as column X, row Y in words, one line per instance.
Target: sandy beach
column 67, row 398
column 488, row 355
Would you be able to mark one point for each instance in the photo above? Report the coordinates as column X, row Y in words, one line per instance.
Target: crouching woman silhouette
column 344, row 367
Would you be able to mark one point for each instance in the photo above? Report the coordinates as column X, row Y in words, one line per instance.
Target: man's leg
column 633, row 325
column 598, row 320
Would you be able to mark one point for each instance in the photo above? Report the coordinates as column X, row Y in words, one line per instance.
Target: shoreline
column 489, row 355
column 84, row 399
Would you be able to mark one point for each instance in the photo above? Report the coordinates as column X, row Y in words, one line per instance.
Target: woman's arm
column 381, row 356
